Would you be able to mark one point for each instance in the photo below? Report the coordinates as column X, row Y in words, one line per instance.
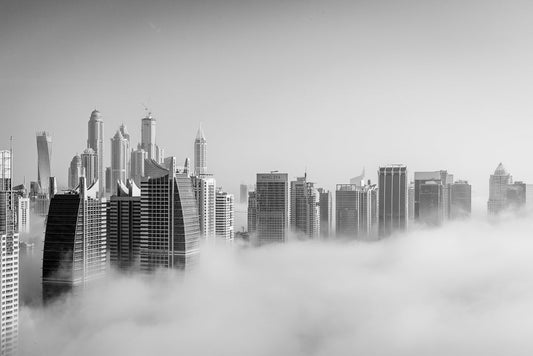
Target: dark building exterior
column 74, row 251
column 356, row 210
column 124, row 226
column 430, row 202
column 326, row 213
column 252, row 212
column 393, row 199
column 516, row 195
column 305, row 208
column 460, row 200
column 170, row 229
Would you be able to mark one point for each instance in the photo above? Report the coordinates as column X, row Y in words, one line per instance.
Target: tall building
column 44, row 154
column 460, row 199
column 96, row 142
column 326, row 212
column 224, row 215
column 516, row 195
column 89, row 162
column 356, row 210
column 148, row 139
column 9, row 260
column 23, row 215
column 74, row 251
column 273, row 214
column 120, row 157
column 498, row 184
column 411, row 201
column 75, row 171
column 170, row 230
column 431, row 202
column 124, row 226
column 205, row 194
column 125, row 134
column 393, row 199
column 108, row 180
column 305, row 208
column 138, row 157
column 252, row 212
column 243, row 196
column 200, row 153
column 441, row 178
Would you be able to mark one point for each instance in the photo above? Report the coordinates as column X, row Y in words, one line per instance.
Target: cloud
column 464, row 289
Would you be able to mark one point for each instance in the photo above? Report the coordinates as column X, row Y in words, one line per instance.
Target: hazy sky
column 330, row 86
column 464, row 290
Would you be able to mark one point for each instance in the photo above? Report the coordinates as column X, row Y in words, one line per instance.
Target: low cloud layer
column 464, row 289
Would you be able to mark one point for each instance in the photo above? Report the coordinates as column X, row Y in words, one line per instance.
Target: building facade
column 252, row 212
column 224, row 215
column 393, row 200
column 305, row 208
column 170, row 230
column 89, row 163
column 326, row 213
column 498, row 185
column 200, row 153
column 356, row 211
column 138, row 157
column 460, row 199
column 120, row 157
column 205, row 193
column 273, row 208
column 75, row 171
column 44, row 158
column 95, row 141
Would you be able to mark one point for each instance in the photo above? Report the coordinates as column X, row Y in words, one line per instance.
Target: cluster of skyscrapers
column 145, row 212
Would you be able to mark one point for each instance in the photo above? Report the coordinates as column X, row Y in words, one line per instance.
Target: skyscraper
column 170, row 230
column 119, row 159
column 252, row 212
column 273, row 214
column 305, row 209
column 430, row 202
column 393, row 202
column 224, row 215
column 326, row 212
column 9, row 260
column 23, row 215
column 44, row 154
column 441, row 178
column 138, row 157
column 124, row 132
column 148, row 139
column 243, row 196
column 357, row 209
column 460, row 199
column 89, row 162
column 498, row 184
column 74, row 252
column 96, row 142
column 516, row 195
column 124, row 226
column 75, row 171
column 200, row 153
column 205, row 194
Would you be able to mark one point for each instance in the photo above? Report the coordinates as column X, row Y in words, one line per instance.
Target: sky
column 327, row 87
column 464, row 289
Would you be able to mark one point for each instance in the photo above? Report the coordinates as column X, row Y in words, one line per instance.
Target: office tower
column 9, row 259
column 205, row 194
column 411, row 201
column 252, row 212
column 75, row 171
column 243, row 197
column 124, row 226
column 23, row 215
column 44, row 154
column 170, row 230
column 430, row 202
column 460, row 199
column 441, row 178
column 326, row 212
column 393, row 204
column 119, row 159
column 305, row 209
column 42, row 201
column 516, row 195
column 138, row 157
column 148, row 139
column 74, row 252
column 125, row 134
column 356, row 210
column 273, row 214
column 89, row 162
column 200, row 153
column 96, row 142
column 187, row 166
column 224, row 215
column 498, row 184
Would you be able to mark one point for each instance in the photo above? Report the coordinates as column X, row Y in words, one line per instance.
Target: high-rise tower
column 170, row 231
column 96, row 142
column 205, row 194
column 44, row 154
column 74, row 252
column 393, row 199
column 138, row 157
column 305, row 211
column 273, row 217
column 119, row 160
column 200, row 153
column 498, row 185
column 75, row 171
column 148, row 139
column 224, row 215
column 326, row 212
column 89, row 163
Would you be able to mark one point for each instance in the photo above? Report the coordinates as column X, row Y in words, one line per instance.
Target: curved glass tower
column 44, row 154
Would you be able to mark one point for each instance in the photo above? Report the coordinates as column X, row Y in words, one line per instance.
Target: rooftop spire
column 200, row 134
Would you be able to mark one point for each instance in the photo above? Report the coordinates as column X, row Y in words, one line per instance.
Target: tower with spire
column 95, row 141
column 200, row 153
